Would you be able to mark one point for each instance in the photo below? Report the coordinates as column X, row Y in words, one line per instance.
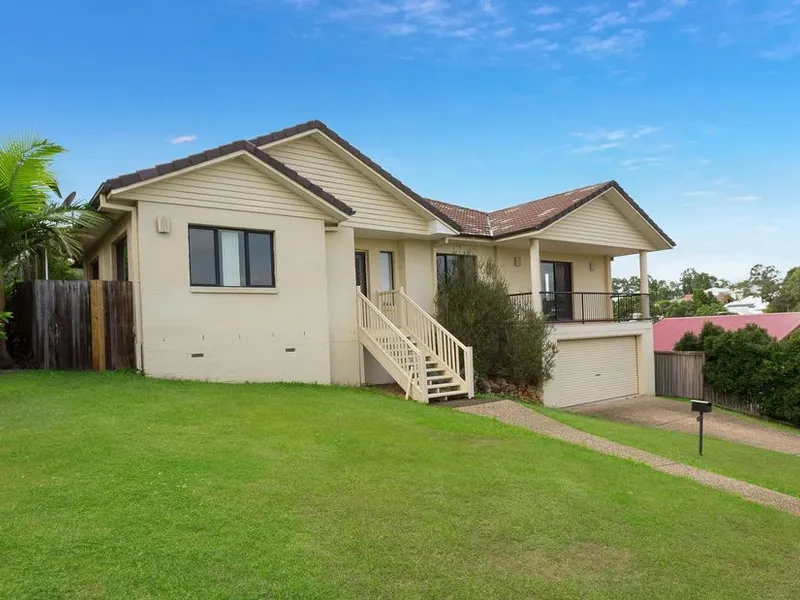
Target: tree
column 702, row 304
column 30, row 223
column 691, row 280
column 788, row 297
column 764, row 280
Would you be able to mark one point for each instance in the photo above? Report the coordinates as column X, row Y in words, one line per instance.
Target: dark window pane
column 361, row 272
column 260, row 254
column 441, row 266
column 202, row 257
column 448, row 264
column 121, row 258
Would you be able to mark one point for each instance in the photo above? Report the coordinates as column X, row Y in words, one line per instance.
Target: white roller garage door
column 592, row 370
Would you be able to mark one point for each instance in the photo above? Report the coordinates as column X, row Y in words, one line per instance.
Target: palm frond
column 26, row 176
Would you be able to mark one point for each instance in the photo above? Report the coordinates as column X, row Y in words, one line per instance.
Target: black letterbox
column 701, row 406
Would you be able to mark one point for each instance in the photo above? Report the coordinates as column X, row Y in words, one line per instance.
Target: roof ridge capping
column 198, row 158
column 361, row 157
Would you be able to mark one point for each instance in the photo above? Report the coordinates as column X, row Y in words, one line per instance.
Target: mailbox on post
column 702, row 407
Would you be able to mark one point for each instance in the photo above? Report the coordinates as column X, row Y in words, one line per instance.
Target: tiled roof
column 667, row 332
column 469, row 220
column 220, row 151
column 533, row 215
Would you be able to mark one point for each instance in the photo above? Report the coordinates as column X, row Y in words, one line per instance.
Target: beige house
column 294, row 257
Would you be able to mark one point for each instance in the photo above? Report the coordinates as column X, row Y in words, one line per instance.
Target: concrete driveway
column 663, row 413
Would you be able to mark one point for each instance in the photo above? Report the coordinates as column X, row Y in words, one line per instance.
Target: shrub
column 691, row 342
column 509, row 341
column 741, row 363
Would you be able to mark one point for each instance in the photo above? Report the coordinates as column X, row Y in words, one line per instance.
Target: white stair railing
column 410, row 316
column 406, row 361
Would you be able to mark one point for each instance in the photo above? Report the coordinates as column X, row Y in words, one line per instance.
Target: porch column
column 644, row 284
column 536, row 277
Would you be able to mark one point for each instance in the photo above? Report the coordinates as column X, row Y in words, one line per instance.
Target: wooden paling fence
column 680, row 375
column 74, row 325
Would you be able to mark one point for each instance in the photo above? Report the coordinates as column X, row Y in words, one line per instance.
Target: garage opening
column 592, row 370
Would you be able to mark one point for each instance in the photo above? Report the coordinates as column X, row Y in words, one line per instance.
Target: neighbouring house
column 751, row 305
column 294, row 257
column 667, row 332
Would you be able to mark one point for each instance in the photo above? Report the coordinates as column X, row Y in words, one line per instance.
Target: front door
column 361, row 272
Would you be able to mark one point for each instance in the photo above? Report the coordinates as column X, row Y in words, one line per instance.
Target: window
column 387, row 271
column 94, row 269
column 121, row 259
column 446, row 264
column 231, row 257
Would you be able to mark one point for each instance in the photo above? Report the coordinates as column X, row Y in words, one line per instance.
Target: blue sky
column 691, row 105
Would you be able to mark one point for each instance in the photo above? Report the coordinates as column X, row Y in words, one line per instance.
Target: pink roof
column 667, row 332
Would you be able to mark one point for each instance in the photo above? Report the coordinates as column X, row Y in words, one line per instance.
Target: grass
column 116, row 486
column 774, row 470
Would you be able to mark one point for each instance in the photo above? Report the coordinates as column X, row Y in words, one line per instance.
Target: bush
column 750, row 365
column 509, row 341
column 691, row 342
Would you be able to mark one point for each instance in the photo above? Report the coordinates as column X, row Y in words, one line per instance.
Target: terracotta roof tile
column 534, row 215
column 470, row 221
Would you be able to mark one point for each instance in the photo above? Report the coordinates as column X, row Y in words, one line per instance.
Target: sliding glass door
column 556, row 290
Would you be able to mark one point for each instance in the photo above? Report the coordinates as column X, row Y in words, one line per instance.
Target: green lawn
column 774, row 470
column 115, row 486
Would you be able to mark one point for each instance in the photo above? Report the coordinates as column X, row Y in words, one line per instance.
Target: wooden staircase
column 421, row 356
column 441, row 384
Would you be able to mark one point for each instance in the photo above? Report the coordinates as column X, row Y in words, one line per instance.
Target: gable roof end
column 535, row 215
column 360, row 156
column 174, row 166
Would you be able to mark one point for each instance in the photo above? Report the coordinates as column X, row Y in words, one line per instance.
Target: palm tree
column 30, row 223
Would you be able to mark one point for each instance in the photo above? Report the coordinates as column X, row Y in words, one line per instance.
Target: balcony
column 588, row 307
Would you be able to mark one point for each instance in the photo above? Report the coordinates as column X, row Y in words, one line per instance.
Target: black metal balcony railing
column 589, row 307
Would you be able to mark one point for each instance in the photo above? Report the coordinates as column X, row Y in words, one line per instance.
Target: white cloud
column 767, row 229
column 590, row 148
column 545, row 10
column 626, row 40
column 746, row 198
column 700, row 193
column 603, row 134
column 660, row 14
column 645, row 130
column 634, row 164
column 182, row 139
column 554, row 26
column 612, row 19
column 537, row 44
column 784, row 52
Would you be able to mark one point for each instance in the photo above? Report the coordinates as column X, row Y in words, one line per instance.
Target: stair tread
column 447, row 394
